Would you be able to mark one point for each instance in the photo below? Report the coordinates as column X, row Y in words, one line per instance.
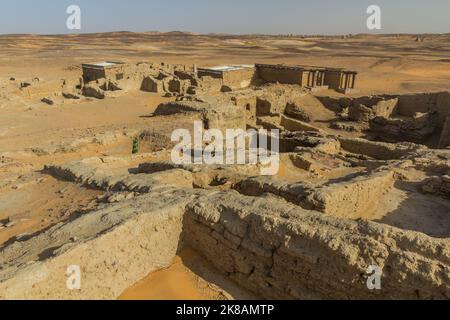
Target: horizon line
column 225, row 33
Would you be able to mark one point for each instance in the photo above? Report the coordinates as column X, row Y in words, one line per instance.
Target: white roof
column 104, row 64
column 230, row 68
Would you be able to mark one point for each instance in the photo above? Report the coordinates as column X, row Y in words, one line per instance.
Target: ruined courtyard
column 363, row 177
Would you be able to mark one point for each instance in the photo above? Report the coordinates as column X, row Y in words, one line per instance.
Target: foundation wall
column 355, row 198
column 39, row 89
column 294, row 125
column 376, row 150
column 280, row 251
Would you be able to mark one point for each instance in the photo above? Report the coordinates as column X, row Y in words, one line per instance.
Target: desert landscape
column 87, row 178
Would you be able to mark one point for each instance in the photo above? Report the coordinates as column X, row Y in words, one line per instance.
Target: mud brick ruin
column 314, row 78
column 101, row 70
column 309, row 77
column 232, row 77
column 363, row 180
column 182, row 79
column 341, row 80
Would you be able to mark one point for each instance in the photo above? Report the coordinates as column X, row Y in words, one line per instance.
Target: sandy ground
column 36, row 204
column 190, row 277
column 46, row 124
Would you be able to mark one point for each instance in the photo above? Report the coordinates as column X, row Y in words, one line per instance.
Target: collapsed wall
column 408, row 117
column 417, row 117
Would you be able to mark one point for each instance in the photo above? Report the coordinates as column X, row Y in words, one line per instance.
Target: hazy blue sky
column 227, row 16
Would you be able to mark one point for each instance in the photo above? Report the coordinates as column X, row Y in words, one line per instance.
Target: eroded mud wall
column 280, row 251
column 114, row 248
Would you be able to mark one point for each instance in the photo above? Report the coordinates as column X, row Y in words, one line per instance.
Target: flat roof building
column 104, row 69
column 304, row 76
column 312, row 77
column 231, row 76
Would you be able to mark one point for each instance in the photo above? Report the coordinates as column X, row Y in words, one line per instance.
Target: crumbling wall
column 292, row 141
column 94, row 91
column 354, row 198
column 360, row 110
column 217, row 116
column 416, row 129
column 443, row 107
column 445, row 135
column 210, row 84
column 247, row 101
column 38, row 87
column 280, row 251
column 408, row 117
column 437, row 185
column 334, row 104
column 151, row 77
column 150, row 84
column 114, row 248
column 296, row 125
column 275, row 98
column 238, row 79
column 410, row 104
column 376, row 150
column 350, row 197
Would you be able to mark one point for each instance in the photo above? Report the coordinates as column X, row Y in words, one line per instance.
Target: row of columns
column 348, row 80
column 316, row 78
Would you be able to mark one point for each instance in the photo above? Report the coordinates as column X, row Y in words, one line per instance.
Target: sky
column 225, row 16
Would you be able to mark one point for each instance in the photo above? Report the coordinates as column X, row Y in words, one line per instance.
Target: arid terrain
column 364, row 177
